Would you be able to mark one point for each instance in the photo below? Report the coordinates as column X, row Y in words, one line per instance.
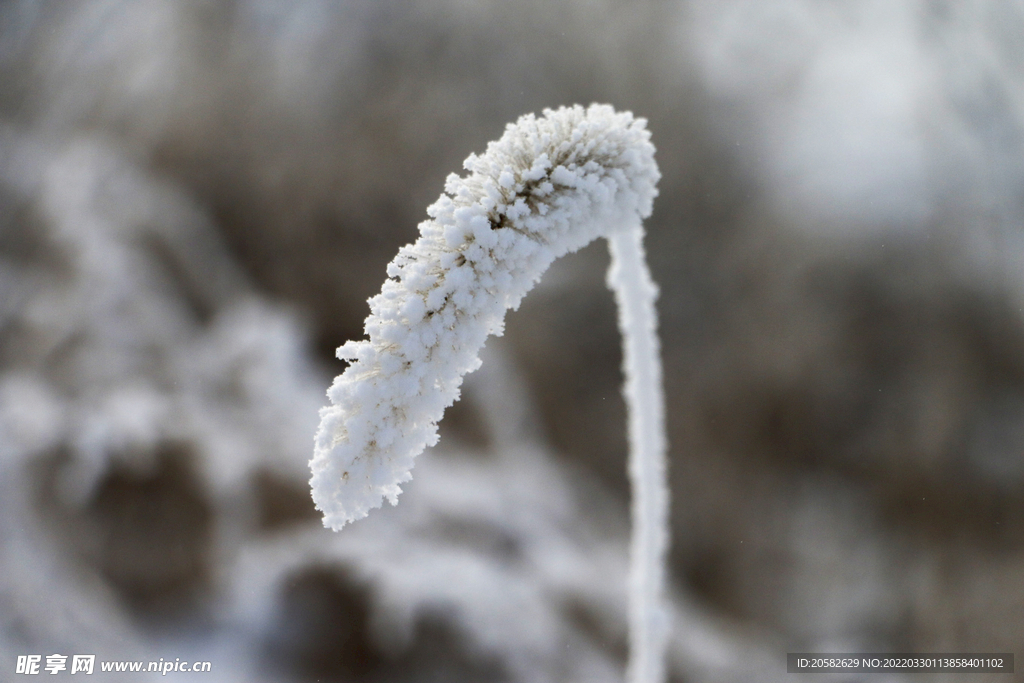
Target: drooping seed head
column 549, row 186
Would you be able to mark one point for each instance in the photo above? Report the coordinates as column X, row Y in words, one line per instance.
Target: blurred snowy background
column 198, row 196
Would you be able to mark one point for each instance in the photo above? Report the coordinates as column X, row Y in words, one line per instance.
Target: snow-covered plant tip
column 549, row 186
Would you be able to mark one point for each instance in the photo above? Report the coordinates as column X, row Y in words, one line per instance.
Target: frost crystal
column 548, row 187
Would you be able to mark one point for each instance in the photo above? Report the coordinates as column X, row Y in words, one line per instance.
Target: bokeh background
column 198, row 196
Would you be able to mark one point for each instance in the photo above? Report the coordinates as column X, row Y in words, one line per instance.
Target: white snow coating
column 635, row 293
column 548, row 187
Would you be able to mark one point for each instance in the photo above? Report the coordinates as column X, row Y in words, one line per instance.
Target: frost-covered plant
column 548, row 187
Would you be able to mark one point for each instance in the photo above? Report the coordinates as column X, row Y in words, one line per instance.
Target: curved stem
column 635, row 293
column 546, row 188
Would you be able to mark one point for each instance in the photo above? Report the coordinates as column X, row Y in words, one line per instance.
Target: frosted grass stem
column 549, row 186
column 635, row 293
